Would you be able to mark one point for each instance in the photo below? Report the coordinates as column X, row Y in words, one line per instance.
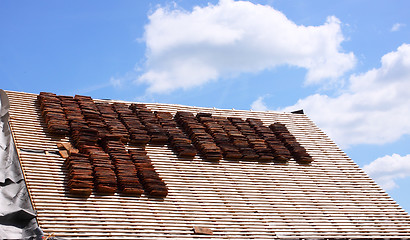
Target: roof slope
column 328, row 198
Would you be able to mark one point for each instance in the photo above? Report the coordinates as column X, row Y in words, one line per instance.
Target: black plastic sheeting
column 17, row 216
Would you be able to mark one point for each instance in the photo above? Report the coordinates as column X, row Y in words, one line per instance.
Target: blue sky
column 346, row 63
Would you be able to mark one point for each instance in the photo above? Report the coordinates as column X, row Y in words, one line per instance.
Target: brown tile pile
column 157, row 134
column 87, row 127
column 201, row 139
column 80, row 169
column 257, row 143
column 126, row 172
column 100, row 130
column 72, row 111
column 178, row 141
column 298, row 152
column 50, row 106
column 87, row 140
column 239, row 140
column 94, row 124
column 278, row 149
column 80, row 174
column 112, row 121
column 83, row 136
column 91, row 114
column 221, row 137
column 153, row 184
column 137, row 132
column 105, row 180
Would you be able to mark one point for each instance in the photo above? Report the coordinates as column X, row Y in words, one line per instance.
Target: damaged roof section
column 229, row 174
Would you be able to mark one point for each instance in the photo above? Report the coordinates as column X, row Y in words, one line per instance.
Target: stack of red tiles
column 137, row 132
column 105, row 180
column 257, row 143
column 112, row 121
column 178, row 141
column 72, row 110
column 298, row 152
column 91, row 114
column 201, row 139
column 154, row 129
column 50, row 106
column 86, row 136
column 80, row 174
column 221, row 137
column 126, row 172
column 239, row 140
column 80, row 169
column 113, row 168
column 153, row 184
column 279, row 151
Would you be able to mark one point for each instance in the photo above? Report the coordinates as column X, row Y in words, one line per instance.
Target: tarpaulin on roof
column 17, row 216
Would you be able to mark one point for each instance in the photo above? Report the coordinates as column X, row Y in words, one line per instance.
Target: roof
column 330, row 197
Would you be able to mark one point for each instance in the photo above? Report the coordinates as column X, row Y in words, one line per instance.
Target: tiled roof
column 330, row 197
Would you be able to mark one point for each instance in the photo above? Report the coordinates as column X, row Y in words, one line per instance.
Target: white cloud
column 387, row 169
column 259, row 105
column 190, row 48
column 116, row 82
column 373, row 110
column 396, row 27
